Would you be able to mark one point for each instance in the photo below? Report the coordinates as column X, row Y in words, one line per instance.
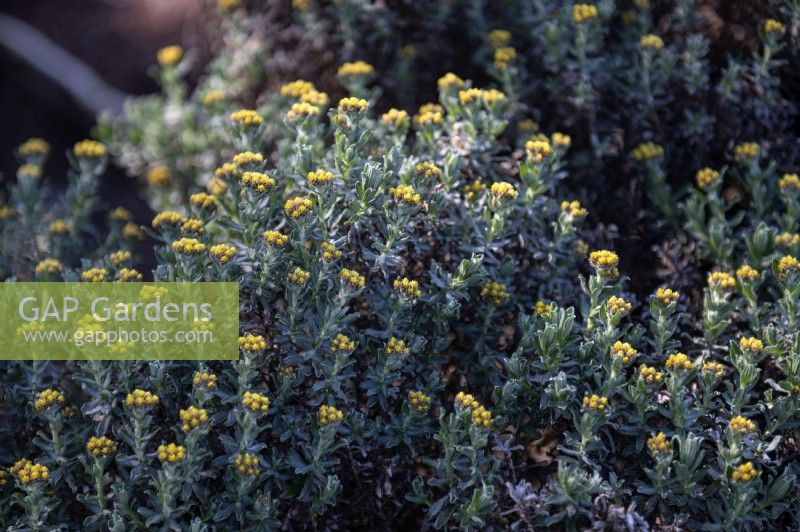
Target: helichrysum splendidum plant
column 390, row 259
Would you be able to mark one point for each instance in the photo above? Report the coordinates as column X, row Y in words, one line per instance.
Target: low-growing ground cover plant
column 427, row 338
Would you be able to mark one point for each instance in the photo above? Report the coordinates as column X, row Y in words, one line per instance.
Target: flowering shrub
column 424, row 336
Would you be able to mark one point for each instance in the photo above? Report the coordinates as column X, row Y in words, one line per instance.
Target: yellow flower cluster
column 49, row 398
column 192, row 417
column 495, row 291
column 744, row 473
column 329, row 251
column 188, row 246
column 502, row 190
column 226, row 171
column 751, row 344
column 667, row 296
column 395, row 346
column 34, row 146
column 787, row 239
column 476, row 187
column 3, row 479
column 603, row 259
column 394, row 118
column 203, row 200
column 651, row 42
column 49, row 266
column 213, row 96
column 789, row 183
column 342, row 343
column 166, row 218
column 429, row 114
column 469, row 96
column 714, row 368
column 742, row 425
column 247, row 158
column 193, row 226
column 94, row 275
column 169, row 55
column 355, row 69
column 151, row 293
column 204, row 379
column 504, row 56
column 419, row 401
column 58, row 227
column 561, row 140
column 352, row 104
column 492, row 97
column 542, row 309
column 659, row 443
column 466, row 400
column 320, row 177
column 747, row 273
column 581, row 248
column 538, row 148
column 7, row 211
column 480, row 415
column 89, row 149
column 648, row 150
column 774, row 27
column 141, row 399
column 746, row 151
column 329, row 414
column 722, row 279
column 498, row 38
column 298, row 276
column 617, row 305
column 172, row 453
column 787, row 264
column 255, row 402
column 257, row 181
column 573, row 209
column 29, row 473
column 247, row 117
column 595, row 403
column 352, row 277
column 301, row 110
column 449, row 81
column 120, row 214
column 276, row 238
column 29, row 170
column 582, row 13
column 705, row 177
column 118, row 257
column 100, row 446
column 297, row 207
column 426, row 169
column 295, row 89
column 679, row 361
column 650, row 375
column 405, row 194
column 247, row 464
column 407, row 287
column 315, row 98
column 128, row 275
column 623, row 350
column 222, row 252
column 252, row 343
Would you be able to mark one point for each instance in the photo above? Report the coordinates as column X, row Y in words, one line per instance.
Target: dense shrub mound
column 440, row 324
